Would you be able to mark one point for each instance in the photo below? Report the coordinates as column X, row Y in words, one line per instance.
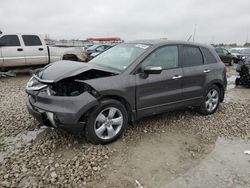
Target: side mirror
column 152, row 69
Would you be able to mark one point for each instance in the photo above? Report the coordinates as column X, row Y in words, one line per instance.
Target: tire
column 231, row 63
column 237, row 81
column 100, row 128
column 210, row 101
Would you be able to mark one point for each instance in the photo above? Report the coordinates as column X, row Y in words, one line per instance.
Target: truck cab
column 22, row 50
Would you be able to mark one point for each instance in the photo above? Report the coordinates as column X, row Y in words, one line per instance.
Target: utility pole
column 247, row 37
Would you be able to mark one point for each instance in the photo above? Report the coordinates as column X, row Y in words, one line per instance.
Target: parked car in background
column 225, row 56
column 244, row 53
column 97, row 49
column 125, row 83
column 92, row 55
column 17, row 50
column 236, row 54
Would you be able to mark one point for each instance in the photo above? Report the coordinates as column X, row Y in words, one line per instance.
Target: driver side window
column 166, row 57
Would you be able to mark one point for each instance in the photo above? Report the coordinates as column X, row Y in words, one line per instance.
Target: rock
column 53, row 174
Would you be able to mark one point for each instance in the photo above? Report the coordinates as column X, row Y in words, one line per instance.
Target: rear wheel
column 211, row 101
column 107, row 122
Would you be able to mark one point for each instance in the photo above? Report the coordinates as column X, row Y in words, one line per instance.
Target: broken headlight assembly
column 70, row 88
column 34, row 85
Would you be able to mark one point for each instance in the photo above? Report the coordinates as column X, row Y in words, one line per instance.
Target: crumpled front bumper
column 67, row 111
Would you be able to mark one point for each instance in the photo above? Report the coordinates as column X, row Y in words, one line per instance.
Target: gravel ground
column 43, row 157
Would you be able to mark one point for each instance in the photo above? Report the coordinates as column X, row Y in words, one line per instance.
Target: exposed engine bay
column 69, row 86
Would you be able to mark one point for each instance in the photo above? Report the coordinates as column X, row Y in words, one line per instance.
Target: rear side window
column 31, row 40
column 209, row 57
column 192, row 56
column 10, row 40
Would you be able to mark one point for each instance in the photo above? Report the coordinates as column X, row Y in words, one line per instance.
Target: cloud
column 216, row 21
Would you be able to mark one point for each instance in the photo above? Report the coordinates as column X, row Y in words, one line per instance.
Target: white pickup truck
column 19, row 50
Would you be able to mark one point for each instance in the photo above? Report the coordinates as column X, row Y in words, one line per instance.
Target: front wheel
column 107, row 122
column 211, row 101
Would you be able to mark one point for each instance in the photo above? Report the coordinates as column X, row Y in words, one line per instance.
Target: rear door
column 158, row 92
column 35, row 51
column 194, row 74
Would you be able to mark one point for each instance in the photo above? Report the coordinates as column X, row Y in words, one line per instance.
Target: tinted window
column 31, row 40
column 166, row 57
column 192, row 56
column 10, row 40
column 209, row 57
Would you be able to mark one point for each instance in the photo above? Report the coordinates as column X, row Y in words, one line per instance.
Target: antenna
column 189, row 38
column 247, row 37
column 194, row 32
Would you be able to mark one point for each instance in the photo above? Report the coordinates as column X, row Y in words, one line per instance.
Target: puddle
column 177, row 160
column 231, row 82
column 225, row 166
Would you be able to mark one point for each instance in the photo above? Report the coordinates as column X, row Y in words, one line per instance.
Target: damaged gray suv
column 127, row 82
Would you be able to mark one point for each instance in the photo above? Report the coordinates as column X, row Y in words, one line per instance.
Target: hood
column 64, row 69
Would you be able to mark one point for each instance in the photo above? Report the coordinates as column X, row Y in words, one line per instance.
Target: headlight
column 34, row 85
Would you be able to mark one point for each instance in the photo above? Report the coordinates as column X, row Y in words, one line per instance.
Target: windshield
column 235, row 50
column 120, row 57
column 245, row 51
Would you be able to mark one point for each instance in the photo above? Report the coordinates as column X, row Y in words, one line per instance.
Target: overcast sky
column 216, row 21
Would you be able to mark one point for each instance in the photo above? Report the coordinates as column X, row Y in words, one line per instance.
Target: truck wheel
column 107, row 122
column 210, row 101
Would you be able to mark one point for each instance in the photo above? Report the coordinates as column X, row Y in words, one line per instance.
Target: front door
column 158, row 92
column 12, row 51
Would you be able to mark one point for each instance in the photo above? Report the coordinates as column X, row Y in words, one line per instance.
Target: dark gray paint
column 142, row 95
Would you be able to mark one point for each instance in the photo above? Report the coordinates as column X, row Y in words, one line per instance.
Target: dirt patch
column 154, row 160
column 175, row 149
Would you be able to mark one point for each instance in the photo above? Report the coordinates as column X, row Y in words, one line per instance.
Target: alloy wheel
column 212, row 100
column 108, row 123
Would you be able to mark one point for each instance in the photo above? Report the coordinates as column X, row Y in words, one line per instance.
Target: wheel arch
column 131, row 115
column 70, row 56
column 221, row 87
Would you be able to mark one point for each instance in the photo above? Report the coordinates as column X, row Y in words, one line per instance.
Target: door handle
column 19, row 49
column 176, row 77
column 206, row 71
column 40, row 49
